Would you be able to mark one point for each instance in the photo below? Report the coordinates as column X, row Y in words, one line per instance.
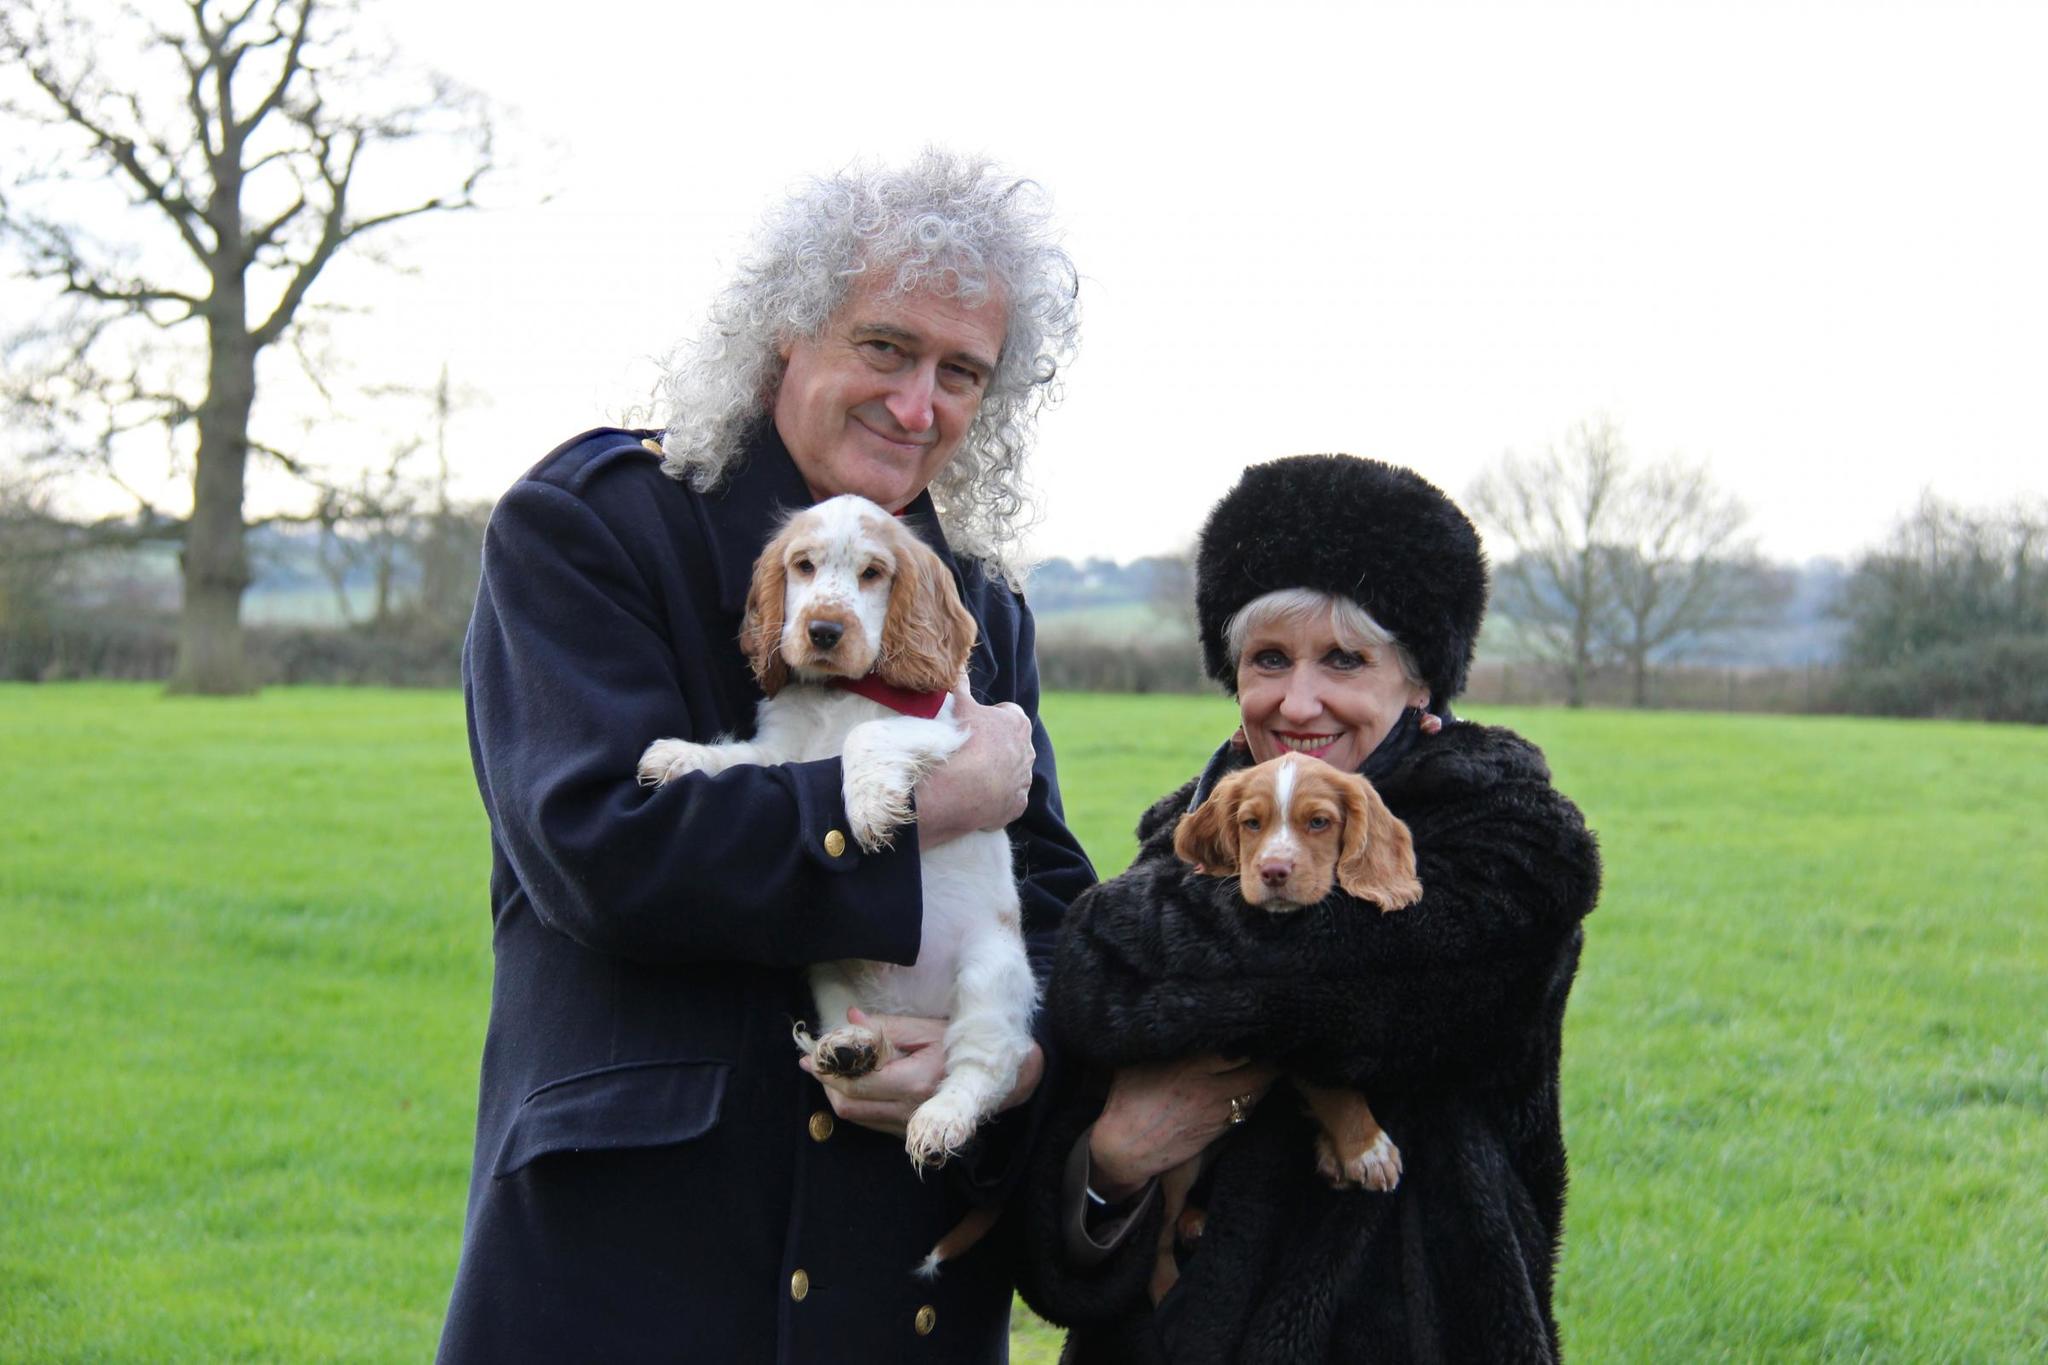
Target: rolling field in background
column 244, row 963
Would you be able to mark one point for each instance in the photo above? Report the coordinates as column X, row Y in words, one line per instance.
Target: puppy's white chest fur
column 971, row 969
column 956, row 875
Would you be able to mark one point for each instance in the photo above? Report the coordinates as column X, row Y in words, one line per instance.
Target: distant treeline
column 1948, row 618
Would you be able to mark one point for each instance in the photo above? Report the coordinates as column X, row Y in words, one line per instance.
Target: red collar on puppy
column 923, row 705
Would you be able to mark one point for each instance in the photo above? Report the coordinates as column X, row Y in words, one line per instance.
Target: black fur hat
column 1378, row 534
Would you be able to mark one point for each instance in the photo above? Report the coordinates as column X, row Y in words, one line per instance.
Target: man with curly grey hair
column 655, row 1178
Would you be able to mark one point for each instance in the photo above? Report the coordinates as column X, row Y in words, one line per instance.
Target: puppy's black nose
column 825, row 634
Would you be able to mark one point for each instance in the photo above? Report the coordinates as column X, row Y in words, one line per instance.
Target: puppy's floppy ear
column 928, row 634
column 761, row 628
column 1207, row 835
column 1377, row 862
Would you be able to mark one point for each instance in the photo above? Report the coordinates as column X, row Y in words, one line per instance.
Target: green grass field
column 246, row 960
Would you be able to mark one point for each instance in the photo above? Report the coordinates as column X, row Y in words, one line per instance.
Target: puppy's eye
column 870, row 574
column 806, row 568
column 1318, row 823
column 1251, row 824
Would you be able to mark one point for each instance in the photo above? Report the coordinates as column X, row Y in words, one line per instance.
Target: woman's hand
column 1156, row 1117
column 886, row 1097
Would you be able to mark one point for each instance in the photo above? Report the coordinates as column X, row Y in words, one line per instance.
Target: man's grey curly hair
column 953, row 225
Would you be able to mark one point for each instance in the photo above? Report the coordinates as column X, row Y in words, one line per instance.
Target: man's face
column 879, row 401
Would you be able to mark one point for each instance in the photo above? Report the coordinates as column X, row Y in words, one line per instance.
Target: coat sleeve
column 1162, row 962
column 572, row 669
column 1057, row 1289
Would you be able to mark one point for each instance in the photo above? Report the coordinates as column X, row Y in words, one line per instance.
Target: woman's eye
column 1344, row 659
column 1269, row 658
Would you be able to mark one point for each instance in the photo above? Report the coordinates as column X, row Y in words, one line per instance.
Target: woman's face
column 1299, row 689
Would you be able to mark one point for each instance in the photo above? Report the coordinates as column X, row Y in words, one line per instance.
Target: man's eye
column 971, row 377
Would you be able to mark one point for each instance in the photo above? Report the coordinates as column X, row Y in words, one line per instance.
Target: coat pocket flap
column 639, row 1104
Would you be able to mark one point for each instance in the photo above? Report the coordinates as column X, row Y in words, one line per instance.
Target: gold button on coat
column 927, row 1318
column 652, row 445
column 835, row 842
column 821, row 1125
column 799, row 1285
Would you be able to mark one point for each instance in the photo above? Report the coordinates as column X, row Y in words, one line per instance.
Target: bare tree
column 1559, row 511
column 1949, row 617
column 1681, row 567
column 400, row 521
column 1949, row 578
column 1616, row 562
column 250, row 142
column 370, row 526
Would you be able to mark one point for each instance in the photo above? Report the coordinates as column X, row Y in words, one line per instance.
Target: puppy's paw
column 1378, row 1167
column 668, row 759
column 940, row 1128
column 847, row 1053
column 877, row 805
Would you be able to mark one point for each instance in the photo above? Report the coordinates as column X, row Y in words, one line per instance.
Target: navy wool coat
column 654, row 1178
column 1447, row 1015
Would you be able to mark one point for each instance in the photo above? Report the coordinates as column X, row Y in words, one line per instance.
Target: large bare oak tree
column 250, row 142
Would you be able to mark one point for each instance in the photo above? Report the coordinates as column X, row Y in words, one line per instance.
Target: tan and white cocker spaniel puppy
column 843, row 599
column 1291, row 830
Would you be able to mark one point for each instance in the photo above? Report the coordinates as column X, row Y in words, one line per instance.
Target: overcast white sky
column 1804, row 242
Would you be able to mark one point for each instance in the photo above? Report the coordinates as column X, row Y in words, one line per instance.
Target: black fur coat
column 1447, row 1016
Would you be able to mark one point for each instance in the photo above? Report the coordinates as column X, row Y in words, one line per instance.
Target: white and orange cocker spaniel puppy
column 847, row 607
column 1290, row 830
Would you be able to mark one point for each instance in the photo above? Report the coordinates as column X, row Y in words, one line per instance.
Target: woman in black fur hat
column 1339, row 600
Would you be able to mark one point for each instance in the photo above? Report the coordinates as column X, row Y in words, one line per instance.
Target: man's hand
column 986, row 782
column 1156, row 1117
column 885, row 1098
